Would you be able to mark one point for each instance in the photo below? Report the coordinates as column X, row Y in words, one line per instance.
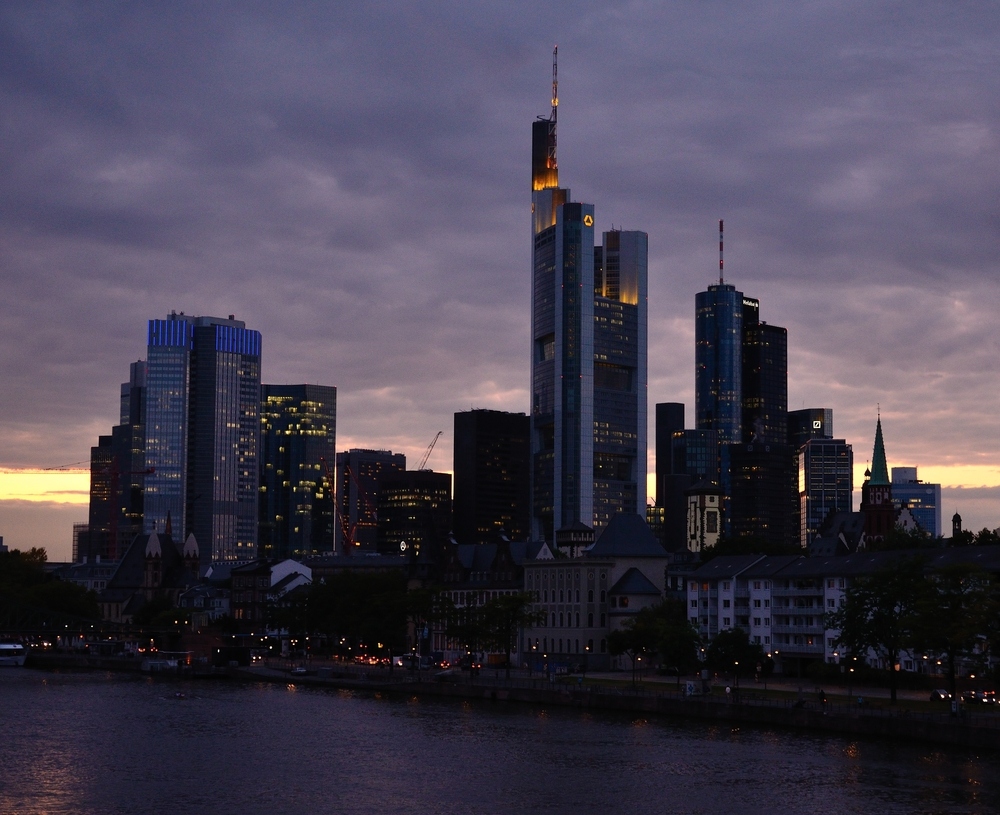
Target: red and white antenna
column 720, row 252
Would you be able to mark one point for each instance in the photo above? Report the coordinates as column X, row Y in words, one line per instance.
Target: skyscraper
column 298, row 439
column 491, row 476
column 360, row 474
column 718, row 379
column 741, row 393
column 825, row 468
column 414, row 513
column 202, row 432
column 588, row 357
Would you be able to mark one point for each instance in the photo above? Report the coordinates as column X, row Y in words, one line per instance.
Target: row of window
column 562, row 596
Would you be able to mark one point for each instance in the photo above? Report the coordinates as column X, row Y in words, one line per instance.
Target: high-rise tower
column 588, row 356
column 298, row 436
column 202, row 432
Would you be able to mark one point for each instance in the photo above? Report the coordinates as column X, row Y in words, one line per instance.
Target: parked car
column 940, row 695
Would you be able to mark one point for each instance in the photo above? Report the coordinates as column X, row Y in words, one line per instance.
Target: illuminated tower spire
column 544, row 167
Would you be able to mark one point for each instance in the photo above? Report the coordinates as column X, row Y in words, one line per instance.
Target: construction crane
column 427, row 453
column 345, row 529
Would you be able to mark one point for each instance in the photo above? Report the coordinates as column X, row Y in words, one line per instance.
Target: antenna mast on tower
column 720, row 252
column 553, row 164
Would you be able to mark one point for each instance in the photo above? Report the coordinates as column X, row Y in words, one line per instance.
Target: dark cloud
column 353, row 182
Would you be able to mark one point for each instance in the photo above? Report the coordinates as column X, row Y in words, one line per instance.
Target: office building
column 826, row 483
column 298, row 450
column 741, row 393
column 202, row 429
column 117, row 471
column 764, row 378
column 414, row 514
column 825, row 470
column 492, row 476
column 588, row 363
column 669, row 420
column 359, row 480
column 923, row 500
column 809, row 423
column 718, row 392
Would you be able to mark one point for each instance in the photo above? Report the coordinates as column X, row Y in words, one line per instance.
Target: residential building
column 588, row 362
column 298, row 448
column 202, row 431
column 492, row 476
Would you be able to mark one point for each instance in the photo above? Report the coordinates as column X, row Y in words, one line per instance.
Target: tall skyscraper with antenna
column 741, row 393
column 588, row 354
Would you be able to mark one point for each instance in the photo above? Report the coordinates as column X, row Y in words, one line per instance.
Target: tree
column 899, row 539
column 732, row 651
column 749, row 545
column 954, row 613
column 630, row 641
column 504, row 617
column 880, row 613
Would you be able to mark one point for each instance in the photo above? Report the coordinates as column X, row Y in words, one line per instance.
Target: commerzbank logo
column 588, row 220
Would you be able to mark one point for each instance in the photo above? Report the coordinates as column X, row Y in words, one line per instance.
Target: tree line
column 951, row 612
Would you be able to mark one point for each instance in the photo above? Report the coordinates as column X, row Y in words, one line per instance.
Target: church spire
column 879, row 469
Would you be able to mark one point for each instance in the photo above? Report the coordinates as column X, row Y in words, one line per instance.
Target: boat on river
column 12, row 654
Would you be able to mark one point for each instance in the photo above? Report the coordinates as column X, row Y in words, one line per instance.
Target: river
column 97, row 744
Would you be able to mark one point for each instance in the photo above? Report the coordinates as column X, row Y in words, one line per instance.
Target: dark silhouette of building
column 359, row 479
column 876, row 493
column 414, row 514
column 492, row 476
column 117, row 471
column 765, row 378
column 298, row 442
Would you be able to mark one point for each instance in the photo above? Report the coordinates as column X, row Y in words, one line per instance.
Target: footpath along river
column 89, row 743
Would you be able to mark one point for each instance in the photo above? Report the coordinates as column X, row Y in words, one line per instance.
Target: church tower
column 876, row 493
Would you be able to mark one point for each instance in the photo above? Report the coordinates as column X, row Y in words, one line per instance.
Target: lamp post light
column 736, row 681
column 586, row 659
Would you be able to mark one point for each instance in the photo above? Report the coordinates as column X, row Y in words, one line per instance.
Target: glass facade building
column 718, row 380
column 588, row 358
column 202, row 427
column 924, row 500
column 298, row 438
column 826, row 483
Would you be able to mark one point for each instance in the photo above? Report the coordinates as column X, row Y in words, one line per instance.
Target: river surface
column 98, row 744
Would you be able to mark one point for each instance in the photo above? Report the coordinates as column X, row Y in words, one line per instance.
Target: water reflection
column 101, row 744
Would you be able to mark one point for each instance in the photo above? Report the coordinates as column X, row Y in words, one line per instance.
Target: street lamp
column 736, row 681
column 586, row 659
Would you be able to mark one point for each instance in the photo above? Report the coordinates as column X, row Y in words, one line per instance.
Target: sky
column 353, row 180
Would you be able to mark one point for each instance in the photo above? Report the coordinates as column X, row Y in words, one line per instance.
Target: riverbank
column 875, row 719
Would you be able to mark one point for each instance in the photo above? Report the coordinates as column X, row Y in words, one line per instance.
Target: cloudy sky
column 353, row 180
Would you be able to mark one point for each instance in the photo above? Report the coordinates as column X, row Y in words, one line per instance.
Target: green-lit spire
column 879, row 470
